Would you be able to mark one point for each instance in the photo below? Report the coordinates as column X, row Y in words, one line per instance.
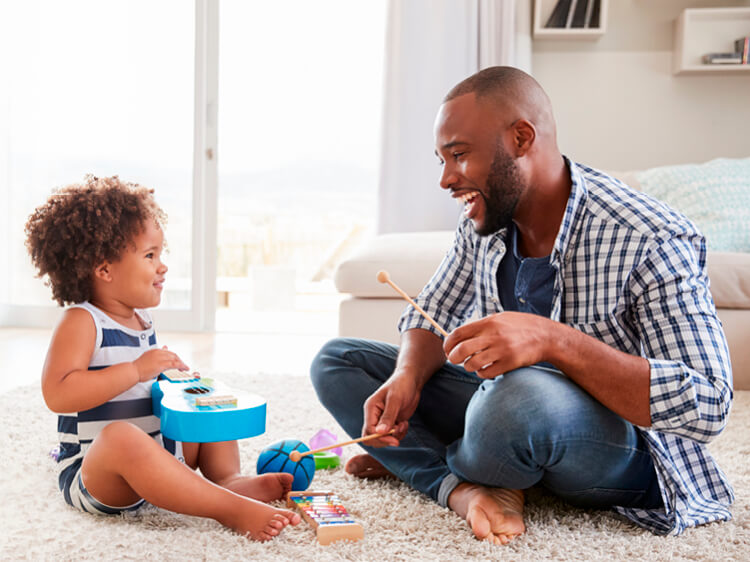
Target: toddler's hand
column 153, row 362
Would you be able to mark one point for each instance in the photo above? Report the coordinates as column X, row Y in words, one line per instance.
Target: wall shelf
column 543, row 10
column 708, row 30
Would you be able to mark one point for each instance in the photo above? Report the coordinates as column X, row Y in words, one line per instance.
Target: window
column 108, row 88
column 300, row 90
column 94, row 87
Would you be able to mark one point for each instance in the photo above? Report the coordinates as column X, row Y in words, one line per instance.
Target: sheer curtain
column 431, row 46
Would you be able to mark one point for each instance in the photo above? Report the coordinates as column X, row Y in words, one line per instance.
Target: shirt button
column 522, row 300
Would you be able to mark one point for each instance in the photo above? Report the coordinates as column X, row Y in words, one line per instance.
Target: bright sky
column 300, row 80
column 107, row 87
column 96, row 79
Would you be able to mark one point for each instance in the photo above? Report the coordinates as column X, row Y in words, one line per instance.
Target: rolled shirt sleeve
column 682, row 337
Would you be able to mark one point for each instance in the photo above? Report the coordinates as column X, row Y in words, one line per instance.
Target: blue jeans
column 529, row 426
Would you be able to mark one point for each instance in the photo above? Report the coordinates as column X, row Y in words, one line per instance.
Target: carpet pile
column 399, row 523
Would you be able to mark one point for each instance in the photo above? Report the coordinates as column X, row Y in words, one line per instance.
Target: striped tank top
column 114, row 344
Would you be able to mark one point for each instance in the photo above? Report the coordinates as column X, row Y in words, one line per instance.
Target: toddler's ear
column 102, row 272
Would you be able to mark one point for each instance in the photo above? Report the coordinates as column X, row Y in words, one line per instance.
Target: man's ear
column 102, row 272
column 524, row 134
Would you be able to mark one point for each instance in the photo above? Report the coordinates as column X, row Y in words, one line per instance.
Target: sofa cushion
column 715, row 195
column 410, row 258
column 729, row 273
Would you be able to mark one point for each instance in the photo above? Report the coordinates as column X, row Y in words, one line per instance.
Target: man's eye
column 457, row 155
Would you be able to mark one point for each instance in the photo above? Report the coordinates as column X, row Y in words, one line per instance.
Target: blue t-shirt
column 525, row 284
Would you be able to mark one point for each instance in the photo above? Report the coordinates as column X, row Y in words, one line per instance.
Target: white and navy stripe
column 83, row 500
column 631, row 272
column 77, row 430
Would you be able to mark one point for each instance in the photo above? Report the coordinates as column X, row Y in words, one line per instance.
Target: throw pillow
column 715, row 195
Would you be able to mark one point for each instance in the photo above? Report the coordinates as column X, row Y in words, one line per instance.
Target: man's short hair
column 500, row 82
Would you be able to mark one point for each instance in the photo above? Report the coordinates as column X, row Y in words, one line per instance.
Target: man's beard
column 504, row 186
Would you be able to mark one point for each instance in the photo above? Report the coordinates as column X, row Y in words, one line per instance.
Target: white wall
column 618, row 105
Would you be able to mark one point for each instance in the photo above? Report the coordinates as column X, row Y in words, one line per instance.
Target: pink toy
column 323, row 438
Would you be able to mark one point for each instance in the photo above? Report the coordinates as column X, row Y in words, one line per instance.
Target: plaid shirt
column 631, row 273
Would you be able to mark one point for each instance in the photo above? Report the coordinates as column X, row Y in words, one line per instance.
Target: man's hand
column 390, row 407
column 499, row 343
column 155, row 361
column 393, row 404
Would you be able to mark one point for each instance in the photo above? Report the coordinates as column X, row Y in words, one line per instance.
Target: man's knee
column 516, row 404
column 332, row 370
column 523, row 411
column 504, row 419
column 345, row 356
column 328, row 360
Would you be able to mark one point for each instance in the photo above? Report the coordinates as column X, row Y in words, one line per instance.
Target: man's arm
column 448, row 298
column 617, row 379
column 682, row 384
column 683, row 340
column 510, row 340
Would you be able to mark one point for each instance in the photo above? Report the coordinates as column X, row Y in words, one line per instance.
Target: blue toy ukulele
column 203, row 410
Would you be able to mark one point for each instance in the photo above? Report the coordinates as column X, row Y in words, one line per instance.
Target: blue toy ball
column 275, row 458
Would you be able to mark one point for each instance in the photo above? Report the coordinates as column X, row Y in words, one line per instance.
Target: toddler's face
column 138, row 277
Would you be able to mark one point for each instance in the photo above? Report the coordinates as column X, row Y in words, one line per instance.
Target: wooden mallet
column 295, row 456
column 383, row 277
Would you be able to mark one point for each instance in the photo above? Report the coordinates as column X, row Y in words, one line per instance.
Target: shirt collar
column 574, row 211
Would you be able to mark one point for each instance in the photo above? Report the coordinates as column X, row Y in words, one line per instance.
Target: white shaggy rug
column 400, row 524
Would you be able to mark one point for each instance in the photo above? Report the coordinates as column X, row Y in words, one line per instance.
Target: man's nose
column 447, row 177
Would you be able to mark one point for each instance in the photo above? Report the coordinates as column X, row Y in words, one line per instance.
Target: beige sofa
column 372, row 309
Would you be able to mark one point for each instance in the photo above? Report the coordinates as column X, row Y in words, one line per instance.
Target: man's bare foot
column 264, row 487
column 366, row 466
column 494, row 514
column 260, row 521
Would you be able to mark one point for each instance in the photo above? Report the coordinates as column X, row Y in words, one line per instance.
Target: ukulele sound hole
column 198, row 390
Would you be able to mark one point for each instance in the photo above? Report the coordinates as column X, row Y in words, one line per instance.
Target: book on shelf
column 578, row 13
column 742, row 48
column 592, row 19
column 722, row 58
column 569, row 17
column 559, row 15
column 575, row 14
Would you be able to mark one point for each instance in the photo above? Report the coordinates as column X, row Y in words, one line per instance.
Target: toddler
column 99, row 245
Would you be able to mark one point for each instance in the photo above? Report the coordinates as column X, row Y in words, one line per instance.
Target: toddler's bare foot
column 264, row 487
column 494, row 514
column 260, row 521
column 366, row 466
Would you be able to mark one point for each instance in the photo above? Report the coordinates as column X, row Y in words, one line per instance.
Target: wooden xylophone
column 325, row 512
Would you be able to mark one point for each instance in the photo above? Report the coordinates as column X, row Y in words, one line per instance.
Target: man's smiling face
column 477, row 169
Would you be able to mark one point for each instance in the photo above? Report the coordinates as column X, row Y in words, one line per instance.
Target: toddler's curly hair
column 83, row 225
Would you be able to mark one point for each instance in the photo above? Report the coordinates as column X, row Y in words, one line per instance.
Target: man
column 598, row 367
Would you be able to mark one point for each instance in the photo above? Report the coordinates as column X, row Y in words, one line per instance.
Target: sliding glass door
column 300, row 97
column 131, row 88
column 103, row 88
